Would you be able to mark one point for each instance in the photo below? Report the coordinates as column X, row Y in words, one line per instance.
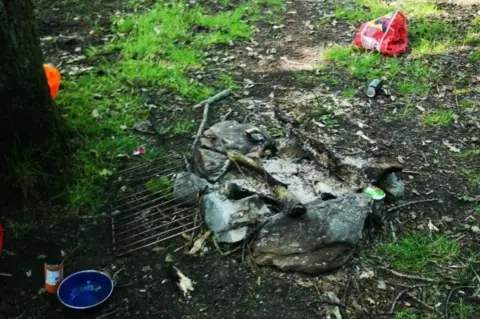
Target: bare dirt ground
column 278, row 60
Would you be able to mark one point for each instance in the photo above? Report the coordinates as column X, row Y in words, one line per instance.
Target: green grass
column 24, row 171
column 412, row 76
column 410, row 73
column 464, row 311
column 365, row 10
column 162, row 187
column 184, row 127
column 415, row 253
column 349, row 93
column 469, row 153
column 156, row 49
column 441, row 117
column 474, row 56
column 406, row 314
column 472, row 175
column 407, row 109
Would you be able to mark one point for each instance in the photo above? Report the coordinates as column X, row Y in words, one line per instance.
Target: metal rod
column 152, row 243
column 154, row 201
column 163, row 173
column 157, row 235
column 139, row 166
column 159, row 169
column 151, row 193
column 147, row 196
column 145, row 224
column 154, row 214
column 154, row 228
column 145, row 164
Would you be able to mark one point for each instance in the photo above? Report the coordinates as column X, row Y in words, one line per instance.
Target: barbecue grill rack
column 146, row 213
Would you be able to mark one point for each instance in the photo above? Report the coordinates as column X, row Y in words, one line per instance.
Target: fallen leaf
column 367, row 274
column 8, row 252
column 169, row 258
column 185, row 284
column 320, row 125
column 431, row 226
column 362, row 135
column 447, row 219
column 186, row 237
column 105, row 172
column 146, row 268
column 420, row 108
column 332, row 310
column 382, row 285
column 304, row 284
column 451, row 147
column 28, row 273
column 199, row 243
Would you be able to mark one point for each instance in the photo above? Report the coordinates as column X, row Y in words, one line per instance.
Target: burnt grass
column 230, row 286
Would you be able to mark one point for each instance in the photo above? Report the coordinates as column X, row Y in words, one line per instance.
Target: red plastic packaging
column 387, row 35
column 1, row 238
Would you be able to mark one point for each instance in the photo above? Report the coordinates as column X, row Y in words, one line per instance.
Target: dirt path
column 281, row 59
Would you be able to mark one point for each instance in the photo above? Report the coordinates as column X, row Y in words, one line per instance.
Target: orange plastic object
column 387, row 35
column 53, row 79
column 53, row 276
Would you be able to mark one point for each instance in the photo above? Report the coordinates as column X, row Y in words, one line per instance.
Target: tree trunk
column 29, row 121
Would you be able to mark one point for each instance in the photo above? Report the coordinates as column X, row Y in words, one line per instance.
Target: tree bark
column 29, row 120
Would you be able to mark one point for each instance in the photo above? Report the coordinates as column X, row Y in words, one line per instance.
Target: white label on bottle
column 53, row 277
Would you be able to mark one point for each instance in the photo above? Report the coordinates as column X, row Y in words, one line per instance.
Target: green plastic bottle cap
column 374, row 192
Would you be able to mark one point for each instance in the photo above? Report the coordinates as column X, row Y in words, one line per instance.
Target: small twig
column 347, row 287
column 406, row 286
column 107, row 314
column 476, row 274
column 127, row 285
column 20, row 316
column 3, row 274
column 412, row 203
column 114, row 277
column 200, row 128
column 412, row 172
column 206, row 104
column 396, row 273
column 456, row 99
column 224, row 117
column 397, row 298
column 187, row 164
column 394, row 236
column 424, row 304
column 225, row 253
column 316, row 288
column 340, row 304
column 213, row 99
column 447, row 302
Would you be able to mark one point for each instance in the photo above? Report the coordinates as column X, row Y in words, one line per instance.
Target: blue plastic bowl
column 85, row 289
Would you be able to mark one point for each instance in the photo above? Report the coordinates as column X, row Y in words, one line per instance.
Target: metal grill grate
column 147, row 213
